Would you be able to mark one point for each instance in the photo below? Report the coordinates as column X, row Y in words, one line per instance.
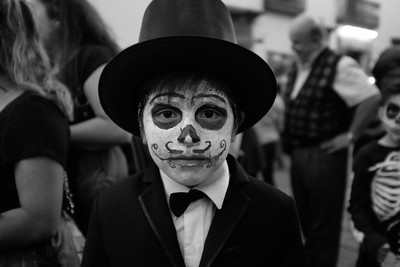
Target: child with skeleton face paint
column 188, row 121
column 187, row 88
column 375, row 195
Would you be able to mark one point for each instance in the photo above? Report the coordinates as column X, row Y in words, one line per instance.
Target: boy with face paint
column 188, row 126
column 375, row 197
column 187, row 89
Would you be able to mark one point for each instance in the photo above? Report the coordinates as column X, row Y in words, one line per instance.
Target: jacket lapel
column 155, row 207
column 225, row 220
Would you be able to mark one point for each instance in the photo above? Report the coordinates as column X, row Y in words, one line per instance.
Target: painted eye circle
column 210, row 114
column 392, row 111
column 211, row 117
column 166, row 117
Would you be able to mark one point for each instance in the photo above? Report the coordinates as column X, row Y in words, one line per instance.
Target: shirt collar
column 311, row 59
column 215, row 187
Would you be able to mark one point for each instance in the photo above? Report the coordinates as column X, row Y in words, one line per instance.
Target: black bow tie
column 178, row 202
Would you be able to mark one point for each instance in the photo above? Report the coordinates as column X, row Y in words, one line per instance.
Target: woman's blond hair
column 23, row 58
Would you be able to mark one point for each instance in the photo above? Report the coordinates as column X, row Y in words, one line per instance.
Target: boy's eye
column 165, row 116
column 210, row 114
column 392, row 110
column 211, row 117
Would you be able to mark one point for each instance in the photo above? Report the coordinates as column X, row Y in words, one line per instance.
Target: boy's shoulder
column 371, row 147
column 375, row 152
column 376, row 146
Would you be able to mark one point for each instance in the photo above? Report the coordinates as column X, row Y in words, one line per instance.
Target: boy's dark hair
column 390, row 90
column 387, row 67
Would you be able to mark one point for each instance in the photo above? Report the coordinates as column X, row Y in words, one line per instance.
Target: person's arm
column 293, row 254
column 386, row 257
column 360, row 205
column 235, row 147
column 99, row 132
column 351, row 84
column 363, row 115
column 39, row 184
column 94, row 253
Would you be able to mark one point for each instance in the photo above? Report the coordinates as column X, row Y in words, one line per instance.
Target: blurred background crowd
column 350, row 47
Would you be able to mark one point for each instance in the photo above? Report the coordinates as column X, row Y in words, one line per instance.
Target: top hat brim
column 121, row 82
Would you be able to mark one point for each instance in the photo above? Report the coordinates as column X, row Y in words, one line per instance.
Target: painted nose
column 189, row 136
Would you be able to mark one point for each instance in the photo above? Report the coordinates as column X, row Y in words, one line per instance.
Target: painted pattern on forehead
column 167, row 94
column 201, row 96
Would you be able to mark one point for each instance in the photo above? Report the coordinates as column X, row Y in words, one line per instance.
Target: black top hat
column 182, row 35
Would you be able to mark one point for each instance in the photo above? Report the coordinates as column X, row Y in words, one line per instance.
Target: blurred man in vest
column 328, row 104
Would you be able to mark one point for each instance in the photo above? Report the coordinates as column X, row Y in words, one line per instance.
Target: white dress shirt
column 350, row 82
column 193, row 225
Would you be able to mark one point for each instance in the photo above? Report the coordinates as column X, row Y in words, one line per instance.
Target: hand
column 339, row 142
column 390, row 260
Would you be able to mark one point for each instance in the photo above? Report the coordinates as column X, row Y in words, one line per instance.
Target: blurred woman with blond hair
column 79, row 46
column 34, row 135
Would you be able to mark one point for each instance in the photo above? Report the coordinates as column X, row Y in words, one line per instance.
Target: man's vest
column 317, row 113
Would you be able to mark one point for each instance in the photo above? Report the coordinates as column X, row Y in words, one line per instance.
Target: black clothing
column 131, row 225
column 30, row 126
column 318, row 113
column 376, row 170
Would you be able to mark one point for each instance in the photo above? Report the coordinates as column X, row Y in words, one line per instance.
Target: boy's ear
column 144, row 141
column 233, row 138
column 239, row 122
column 143, row 136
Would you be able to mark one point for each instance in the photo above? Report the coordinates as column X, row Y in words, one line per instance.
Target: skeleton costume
column 375, row 198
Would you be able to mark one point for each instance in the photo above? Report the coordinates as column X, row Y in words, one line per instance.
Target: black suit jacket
column 131, row 225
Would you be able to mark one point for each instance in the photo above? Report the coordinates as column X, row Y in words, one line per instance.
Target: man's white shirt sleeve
column 351, row 82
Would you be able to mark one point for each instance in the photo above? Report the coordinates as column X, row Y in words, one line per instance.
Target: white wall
column 270, row 32
column 389, row 25
column 124, row 17
column 323, row 9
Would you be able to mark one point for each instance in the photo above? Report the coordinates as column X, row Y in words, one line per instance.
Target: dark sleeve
column 294, row 254
column 90, row 58
column 37, row 128
column 360, row 206
column 94, row 254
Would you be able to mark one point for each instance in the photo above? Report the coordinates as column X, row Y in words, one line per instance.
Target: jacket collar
column 215, row 187
column 155, row 207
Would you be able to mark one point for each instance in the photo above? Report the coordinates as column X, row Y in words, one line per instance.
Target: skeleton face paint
column 188, row 133
column 390, row 118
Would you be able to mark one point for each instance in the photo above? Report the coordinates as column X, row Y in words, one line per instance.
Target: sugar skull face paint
column 390, row 118
column 188, row 133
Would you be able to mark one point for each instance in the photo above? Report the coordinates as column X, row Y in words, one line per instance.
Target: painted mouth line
column 188, row 158
column 188, row 162
column 177, row 151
